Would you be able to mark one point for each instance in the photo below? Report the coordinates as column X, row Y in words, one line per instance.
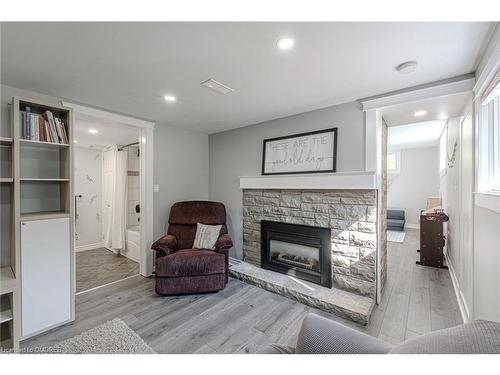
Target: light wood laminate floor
column 242, row 318
column 100, row 266
column 416, row 299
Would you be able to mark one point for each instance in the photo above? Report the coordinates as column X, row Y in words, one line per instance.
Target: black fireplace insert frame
column 299, row 234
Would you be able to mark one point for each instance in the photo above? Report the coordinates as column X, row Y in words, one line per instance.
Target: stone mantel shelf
column 323, row 181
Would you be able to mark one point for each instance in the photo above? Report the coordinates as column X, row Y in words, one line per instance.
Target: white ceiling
column 422, row 134
column 440, row 108
column 109, row 133
column 129, row 67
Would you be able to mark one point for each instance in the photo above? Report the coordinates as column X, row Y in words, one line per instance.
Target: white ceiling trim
column 445, row 89
column 490, row 68
column 109, row 116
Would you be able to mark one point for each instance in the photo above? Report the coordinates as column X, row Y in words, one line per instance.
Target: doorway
column 420, row 172
column 107, row 172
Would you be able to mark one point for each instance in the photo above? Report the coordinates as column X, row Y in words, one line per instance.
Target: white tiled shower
column 133, row 185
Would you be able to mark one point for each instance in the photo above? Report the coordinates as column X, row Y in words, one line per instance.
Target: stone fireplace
column 299, row 250
column 348, row 214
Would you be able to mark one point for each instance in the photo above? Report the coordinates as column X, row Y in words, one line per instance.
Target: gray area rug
column 113, row 337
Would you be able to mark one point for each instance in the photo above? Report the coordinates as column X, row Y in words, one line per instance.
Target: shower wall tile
column 133, row 187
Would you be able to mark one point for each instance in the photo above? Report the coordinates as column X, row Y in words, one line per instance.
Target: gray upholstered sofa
column 319, row 335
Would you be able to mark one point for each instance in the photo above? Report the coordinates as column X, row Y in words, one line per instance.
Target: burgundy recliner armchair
column 180, row 269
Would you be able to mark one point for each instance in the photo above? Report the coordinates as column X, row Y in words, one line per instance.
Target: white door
column 46, row 274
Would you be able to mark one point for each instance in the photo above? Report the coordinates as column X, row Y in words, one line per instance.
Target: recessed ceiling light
column 93, row 131
column 75, row 141
column 170, row 98
column 407, row 67
column 420, row 113
column 285, row 43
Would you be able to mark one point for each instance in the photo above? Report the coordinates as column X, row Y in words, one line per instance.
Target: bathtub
column 132, row 240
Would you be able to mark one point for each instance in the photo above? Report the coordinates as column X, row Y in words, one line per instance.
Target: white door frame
column 146, row 177
column 373, row 137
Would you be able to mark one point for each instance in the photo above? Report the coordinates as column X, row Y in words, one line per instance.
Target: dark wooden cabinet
column 432, row 240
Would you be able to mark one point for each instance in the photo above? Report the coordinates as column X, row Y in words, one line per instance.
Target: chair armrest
column 224, row 243
column 320, row 335
column 165, row 246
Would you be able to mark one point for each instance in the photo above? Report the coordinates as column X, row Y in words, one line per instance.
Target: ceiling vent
column 212, row 84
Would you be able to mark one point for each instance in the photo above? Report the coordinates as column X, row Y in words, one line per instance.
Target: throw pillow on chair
column 206, row 236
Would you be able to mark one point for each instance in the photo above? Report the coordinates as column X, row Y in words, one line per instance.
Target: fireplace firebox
column 299, row 250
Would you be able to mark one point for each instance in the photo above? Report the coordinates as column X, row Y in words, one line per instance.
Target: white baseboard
column 464, row 309
column 92, row 246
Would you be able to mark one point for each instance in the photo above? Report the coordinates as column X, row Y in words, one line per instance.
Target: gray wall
column 180, row 161
column 181, row 170
column 418, row 180
column 239, row 153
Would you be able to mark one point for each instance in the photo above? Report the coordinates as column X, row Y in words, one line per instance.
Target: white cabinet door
column 46, row 274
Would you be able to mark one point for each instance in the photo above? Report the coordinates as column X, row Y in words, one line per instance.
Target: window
column 393, row 162
column 496, row 143
column 489, row 141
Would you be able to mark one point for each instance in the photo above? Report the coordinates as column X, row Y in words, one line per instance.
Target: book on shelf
column 42, row 127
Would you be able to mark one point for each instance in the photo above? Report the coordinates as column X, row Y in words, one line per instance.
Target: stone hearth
column 351, row 215
column 347, row 305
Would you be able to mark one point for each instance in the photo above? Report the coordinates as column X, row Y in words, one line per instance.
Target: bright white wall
column 486, row 265
column 88, row 183
column 418, row 179
column 457, row 189
column 238, row 152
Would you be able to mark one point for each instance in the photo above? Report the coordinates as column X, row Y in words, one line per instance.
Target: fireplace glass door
column 303, row 256
column 299, row 250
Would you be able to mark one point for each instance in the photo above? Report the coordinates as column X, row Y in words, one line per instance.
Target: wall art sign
column 313, row 152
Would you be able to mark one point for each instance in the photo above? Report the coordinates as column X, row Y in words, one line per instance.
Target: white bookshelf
column 5, row 141
column 8, row 281
column 29, row 142
column 6, row 314
column 28, row 179
column 38, row 178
